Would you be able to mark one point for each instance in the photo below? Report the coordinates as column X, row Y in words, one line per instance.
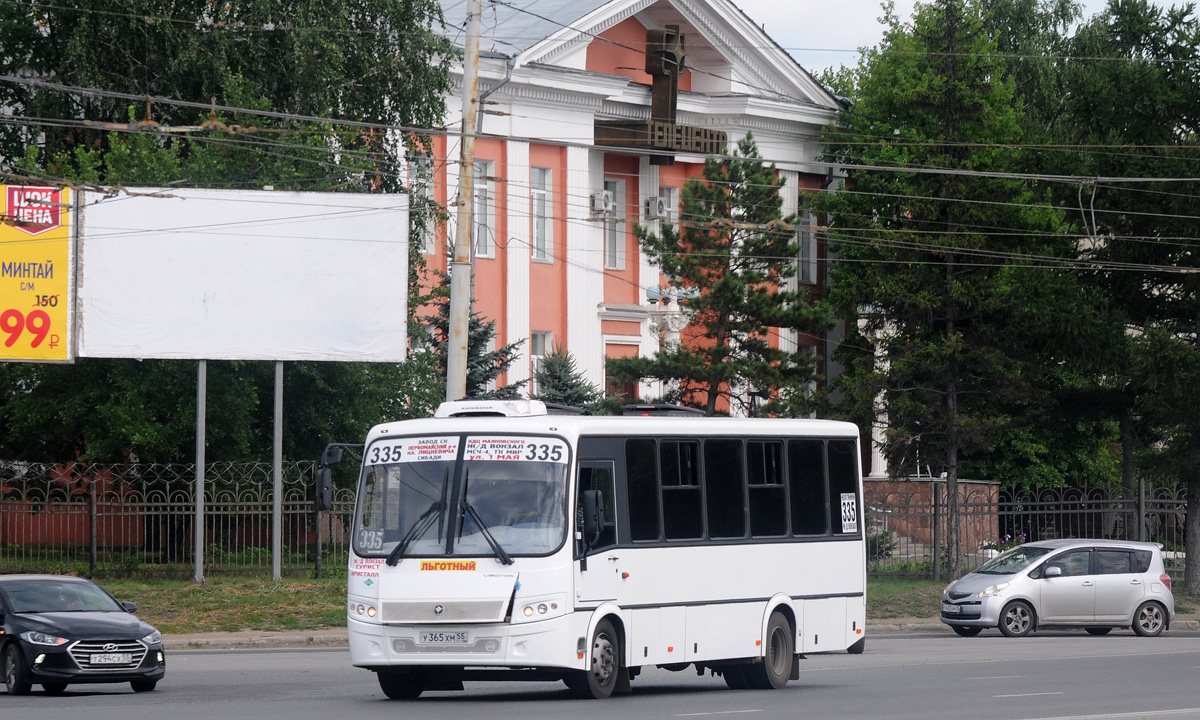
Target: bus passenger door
column 599, row 581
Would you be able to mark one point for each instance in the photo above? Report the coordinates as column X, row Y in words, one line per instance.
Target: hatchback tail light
column 1166, row 580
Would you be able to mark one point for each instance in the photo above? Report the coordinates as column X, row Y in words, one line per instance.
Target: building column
column 648, row 273
column 585, row 262
column 517, row 251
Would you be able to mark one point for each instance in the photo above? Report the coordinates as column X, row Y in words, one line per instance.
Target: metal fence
column 121, row 520
column 907, row 522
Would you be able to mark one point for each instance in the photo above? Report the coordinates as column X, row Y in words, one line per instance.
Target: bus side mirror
column 331, row 456
column 593, row 516
column 324, row 495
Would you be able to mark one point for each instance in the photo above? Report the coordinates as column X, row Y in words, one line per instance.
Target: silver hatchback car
column 1096, row 585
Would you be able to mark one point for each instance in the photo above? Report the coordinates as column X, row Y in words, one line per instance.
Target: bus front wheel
column 600, row 680
column 776, row 666
column 400, row 686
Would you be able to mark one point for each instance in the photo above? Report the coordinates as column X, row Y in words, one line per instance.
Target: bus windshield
column 507, row 497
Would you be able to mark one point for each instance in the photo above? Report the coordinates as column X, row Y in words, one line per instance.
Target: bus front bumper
column 545, row 643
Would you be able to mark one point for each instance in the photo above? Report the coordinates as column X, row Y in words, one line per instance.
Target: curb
column 323, row 638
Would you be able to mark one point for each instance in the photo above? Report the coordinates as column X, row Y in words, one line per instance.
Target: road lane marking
column 718, row 712
column 1028, row 694
column 998, row 677
column 1119, row 716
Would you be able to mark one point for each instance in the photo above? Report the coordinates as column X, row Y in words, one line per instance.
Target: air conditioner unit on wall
column 602, row 202
column 656, row 208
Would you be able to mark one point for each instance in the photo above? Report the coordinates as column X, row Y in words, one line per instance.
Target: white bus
column 501, row 540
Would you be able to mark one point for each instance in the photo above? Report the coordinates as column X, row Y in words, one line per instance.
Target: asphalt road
column 1063, row 675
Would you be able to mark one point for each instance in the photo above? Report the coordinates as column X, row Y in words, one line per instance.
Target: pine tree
column 559, row 381
column 733, row 256
column 483, row 365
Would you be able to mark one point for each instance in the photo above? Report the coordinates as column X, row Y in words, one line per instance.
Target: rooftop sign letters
column 664, row 61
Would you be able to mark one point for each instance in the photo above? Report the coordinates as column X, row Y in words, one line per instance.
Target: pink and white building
column 556, row 260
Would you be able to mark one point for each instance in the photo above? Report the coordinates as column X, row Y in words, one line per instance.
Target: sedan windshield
column 1013, row 561
column 506, row 497
column 37, row 596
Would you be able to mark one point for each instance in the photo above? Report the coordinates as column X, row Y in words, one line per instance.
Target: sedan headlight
column 153, row 638
column 992, row 590
column 41, row 638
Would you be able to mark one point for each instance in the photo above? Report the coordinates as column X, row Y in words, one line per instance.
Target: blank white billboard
column 184, row 273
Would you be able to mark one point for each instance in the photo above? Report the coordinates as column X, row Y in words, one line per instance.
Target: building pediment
column 726, row 53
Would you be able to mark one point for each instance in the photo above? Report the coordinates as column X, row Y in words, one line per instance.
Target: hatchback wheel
column 966, row 630
column 1016, row 619
column 1098, row 631
column 1149, row 620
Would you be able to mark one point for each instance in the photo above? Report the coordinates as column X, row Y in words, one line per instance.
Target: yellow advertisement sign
column 35, row 273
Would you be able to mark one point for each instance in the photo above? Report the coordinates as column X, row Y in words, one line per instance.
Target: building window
column 420, row 193
column 484, row 239
column 614, row 227
column 806, row 262
column 539, row 347
column 541, row 211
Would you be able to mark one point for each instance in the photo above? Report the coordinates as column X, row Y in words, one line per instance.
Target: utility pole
column 460, row 265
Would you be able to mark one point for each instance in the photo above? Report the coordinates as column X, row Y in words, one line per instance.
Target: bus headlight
column 541, row 609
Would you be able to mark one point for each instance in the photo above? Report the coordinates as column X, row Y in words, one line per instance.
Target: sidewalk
column 1188, row 623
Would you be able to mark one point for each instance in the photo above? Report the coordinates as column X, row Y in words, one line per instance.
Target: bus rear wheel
column 776, row 666
column 600, row 680
column 400, row 686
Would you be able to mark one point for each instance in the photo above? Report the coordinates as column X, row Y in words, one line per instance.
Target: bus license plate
column 111, row 659
column 949, row 609
column 443, row 637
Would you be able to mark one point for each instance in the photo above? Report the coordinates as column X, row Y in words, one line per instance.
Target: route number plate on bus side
column 442, row 637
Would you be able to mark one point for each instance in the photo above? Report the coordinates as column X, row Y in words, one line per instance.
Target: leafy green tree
column 949, row 274
column 379, row 62
column 1128, row 110
column 735, row 252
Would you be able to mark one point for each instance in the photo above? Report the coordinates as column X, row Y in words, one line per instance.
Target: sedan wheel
column 1098, row 631
column 16, row 675
column 1016, row 619
column 1149, row 620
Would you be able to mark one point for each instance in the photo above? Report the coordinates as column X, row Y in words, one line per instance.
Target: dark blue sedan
column 57, row 630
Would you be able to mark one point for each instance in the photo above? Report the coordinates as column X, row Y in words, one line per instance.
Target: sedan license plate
column 445, row 637
column 111, row 659
column 949, row 609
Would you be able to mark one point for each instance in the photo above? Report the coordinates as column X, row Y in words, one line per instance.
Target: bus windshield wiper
column 469, row 509
column 502, row 556
column 420, row 527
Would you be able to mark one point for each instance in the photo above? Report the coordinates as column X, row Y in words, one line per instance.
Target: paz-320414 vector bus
column 502, row 540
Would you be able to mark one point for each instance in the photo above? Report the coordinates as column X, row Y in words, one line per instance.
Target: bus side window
column 723, row 488
column 641, row 456
column 844, row 511
column 683, row 517
column 768, row 510
column 601, row 478
column 806, row 483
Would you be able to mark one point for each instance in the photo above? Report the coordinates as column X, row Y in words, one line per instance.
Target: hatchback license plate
column 442, row 637
column 948, row 609
column 111, row 659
